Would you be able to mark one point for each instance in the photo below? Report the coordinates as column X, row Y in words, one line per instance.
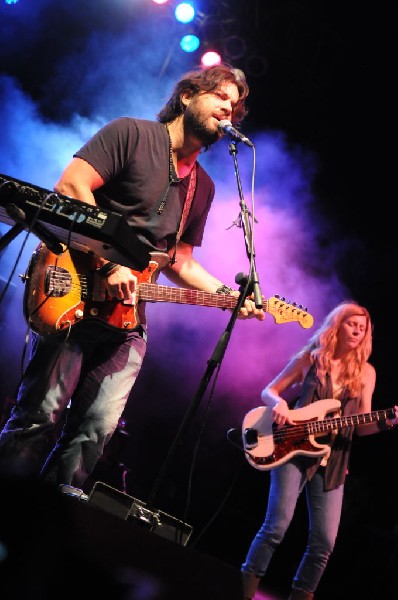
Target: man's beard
column 198, row 128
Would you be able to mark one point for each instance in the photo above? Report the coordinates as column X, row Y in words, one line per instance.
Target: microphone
column 228, row 129
column 241, row 279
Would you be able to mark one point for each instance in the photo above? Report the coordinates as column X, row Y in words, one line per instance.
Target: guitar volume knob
column 79, row 314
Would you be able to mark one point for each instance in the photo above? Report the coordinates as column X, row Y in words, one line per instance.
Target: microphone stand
column 23, row 222
column 10, row 235
column 215, row 360
column 219, row 350
column 253, row 283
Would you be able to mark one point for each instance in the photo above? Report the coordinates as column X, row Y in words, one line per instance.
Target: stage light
column 234, row 47
column 215, row 34
column 256, row 66
column 190, row 43
column 184, row 12
column 210, row 58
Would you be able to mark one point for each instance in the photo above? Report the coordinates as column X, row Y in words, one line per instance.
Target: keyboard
column 56, row 218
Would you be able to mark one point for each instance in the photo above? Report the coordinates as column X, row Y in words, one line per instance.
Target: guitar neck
column 151, row 292
column 332, row 423
column 281, row 310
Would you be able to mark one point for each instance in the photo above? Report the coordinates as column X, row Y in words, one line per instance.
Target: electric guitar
column 267, row 446
column 64, row 290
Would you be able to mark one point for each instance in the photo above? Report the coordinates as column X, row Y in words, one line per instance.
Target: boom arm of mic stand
column 215, row 360
column 10, row 235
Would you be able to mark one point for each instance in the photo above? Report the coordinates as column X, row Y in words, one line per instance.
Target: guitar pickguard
column 64, row 290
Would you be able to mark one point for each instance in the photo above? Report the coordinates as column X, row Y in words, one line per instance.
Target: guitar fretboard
column 347, row 421
column 151, row 292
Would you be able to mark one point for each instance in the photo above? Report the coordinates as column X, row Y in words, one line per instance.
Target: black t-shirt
column 133, row 158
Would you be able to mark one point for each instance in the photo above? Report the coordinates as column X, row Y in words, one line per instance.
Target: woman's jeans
column 324, row 510
column 90, row 374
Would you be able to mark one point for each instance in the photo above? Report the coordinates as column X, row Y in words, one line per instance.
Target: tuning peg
column 293, row 304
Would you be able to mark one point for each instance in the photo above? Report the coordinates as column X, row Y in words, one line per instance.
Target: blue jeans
column 324, row 511
column 87, row 377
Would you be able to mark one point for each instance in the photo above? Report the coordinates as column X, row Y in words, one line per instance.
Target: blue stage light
column 190, row 43
column 184, row 12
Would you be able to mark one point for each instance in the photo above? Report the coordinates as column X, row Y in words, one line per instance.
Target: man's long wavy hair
column 322, row 344
column 206, row 80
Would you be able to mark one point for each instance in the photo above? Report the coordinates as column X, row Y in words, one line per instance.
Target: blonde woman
column 333, row 365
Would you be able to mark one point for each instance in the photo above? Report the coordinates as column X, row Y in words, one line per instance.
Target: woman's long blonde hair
column 322, row 345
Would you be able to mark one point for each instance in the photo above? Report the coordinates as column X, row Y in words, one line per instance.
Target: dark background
column 327, row 86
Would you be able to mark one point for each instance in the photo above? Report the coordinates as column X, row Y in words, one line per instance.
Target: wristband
column 107, row 268
column 224, row 289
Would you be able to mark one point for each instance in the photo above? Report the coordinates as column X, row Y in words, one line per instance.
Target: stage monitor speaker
column 127, row 507
column 53, row 545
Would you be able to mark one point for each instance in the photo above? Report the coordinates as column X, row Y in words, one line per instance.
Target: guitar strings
column 325, row 425
column 61, row 278
column 150, row 291
column 280, row 310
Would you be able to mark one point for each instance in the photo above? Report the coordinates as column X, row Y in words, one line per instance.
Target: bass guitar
column 64, row 290
column 267, row 446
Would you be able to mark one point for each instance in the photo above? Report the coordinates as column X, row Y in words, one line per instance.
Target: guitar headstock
column 287, row 312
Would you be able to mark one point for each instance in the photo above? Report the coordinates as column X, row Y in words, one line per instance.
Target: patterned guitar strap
column 186, row 207
column 187, row 203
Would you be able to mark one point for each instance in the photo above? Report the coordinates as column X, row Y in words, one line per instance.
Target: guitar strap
column 185, row 209
column 187, row 203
